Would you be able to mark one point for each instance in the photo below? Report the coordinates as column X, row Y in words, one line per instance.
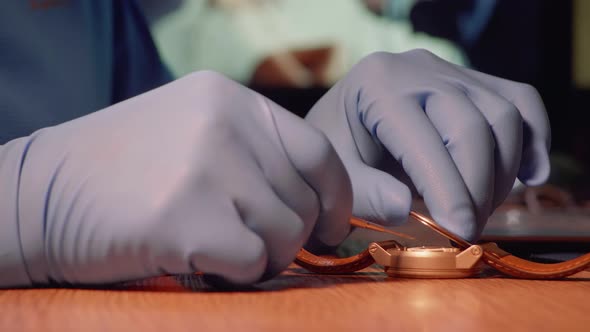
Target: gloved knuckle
column 319, row 157
column 246, row 258
column 217, row 123
column 421, row 52
column 526, row 91
column 209, row 84
column 252, row 252
column 218, row 94
column 506, row 113
column 323, row 146
column 294, row 233
column 319, row 150
column 376, row 61
column 474, row 123
column 209, row 77
column 378, row 56
column 422, row 56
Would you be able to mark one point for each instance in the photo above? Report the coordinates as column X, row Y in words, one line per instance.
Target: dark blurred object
column 154, row 9
column 528, row 41
column 543, row 223
column 298, row 101
column 519, row 38
column 440, row 18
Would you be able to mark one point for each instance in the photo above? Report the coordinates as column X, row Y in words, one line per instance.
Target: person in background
column 111, row 171
column 281, row 43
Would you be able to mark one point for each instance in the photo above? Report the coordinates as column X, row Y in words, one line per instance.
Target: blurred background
column 292, row 51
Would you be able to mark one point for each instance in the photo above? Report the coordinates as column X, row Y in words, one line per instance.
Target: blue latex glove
column 456, row 136
column 200, row 174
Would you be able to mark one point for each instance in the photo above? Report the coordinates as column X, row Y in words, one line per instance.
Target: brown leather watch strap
column 350, row 264
column 493, row 256
column 521, row 268
column 509, row 264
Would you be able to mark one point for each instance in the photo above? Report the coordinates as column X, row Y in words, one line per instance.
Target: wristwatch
column 464, row 260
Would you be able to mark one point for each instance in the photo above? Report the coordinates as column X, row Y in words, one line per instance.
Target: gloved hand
column 456, row 136
column 201, row 174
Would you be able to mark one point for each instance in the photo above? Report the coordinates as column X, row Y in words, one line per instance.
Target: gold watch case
column 427, row 261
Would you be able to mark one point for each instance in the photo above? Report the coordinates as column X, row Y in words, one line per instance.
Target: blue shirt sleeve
column 137, row 65
column 64, row 59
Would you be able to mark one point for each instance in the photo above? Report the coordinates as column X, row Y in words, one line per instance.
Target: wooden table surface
column 366, row 301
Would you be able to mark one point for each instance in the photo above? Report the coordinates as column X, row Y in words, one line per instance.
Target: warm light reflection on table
column 366, row 301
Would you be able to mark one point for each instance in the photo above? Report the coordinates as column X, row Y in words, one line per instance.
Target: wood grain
column 366, row 301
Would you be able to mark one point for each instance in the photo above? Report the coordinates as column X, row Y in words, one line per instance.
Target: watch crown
column 476, row 250
column 373, row 248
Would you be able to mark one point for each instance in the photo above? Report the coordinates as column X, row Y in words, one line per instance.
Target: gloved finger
column 505, row 123
column 467, row 137
column 354, row 143
column 227, row 248
column 315, row 159
column 281, row 229
column 535, row 166
column 378, row 196
column 425, row 159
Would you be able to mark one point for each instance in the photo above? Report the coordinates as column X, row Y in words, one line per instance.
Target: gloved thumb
column 378, row 196
column 535, row 166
